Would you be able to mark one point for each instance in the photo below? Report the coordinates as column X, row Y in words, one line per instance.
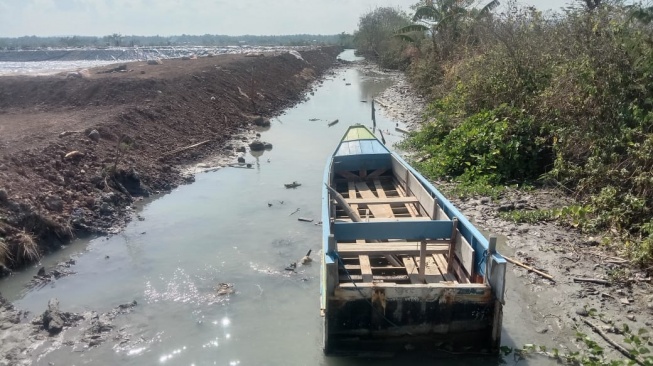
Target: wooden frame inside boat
column 401, row 264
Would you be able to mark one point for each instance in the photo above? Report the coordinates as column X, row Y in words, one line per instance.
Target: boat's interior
column 394, row 197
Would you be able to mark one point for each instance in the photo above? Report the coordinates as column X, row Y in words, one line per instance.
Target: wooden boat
column 402, row 268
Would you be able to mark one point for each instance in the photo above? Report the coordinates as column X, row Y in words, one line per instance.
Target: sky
column 175, row 17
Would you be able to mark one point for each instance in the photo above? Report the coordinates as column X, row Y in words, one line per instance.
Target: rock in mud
column 582, row 312
column 54, row 203
column 4, row 271
column 260, row 146
column 155, row 61
column 506, row 207
column 3, row 195
column 131, row 180
column 53, row 320
column 94, row 135
column 261, row 122
column 257, row 146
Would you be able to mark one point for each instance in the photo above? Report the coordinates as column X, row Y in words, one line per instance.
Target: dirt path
column 541, row 311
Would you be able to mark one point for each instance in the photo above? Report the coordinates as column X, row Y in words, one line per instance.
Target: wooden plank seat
column 405, row 248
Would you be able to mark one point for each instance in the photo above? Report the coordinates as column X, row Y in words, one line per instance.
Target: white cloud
column 170, row 17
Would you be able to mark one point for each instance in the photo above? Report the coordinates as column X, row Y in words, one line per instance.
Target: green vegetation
column 523, row 97
column 374, row 38
column 635, row 351
column 575, row 215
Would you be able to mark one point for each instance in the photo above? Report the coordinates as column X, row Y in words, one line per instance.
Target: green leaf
column 413, row 28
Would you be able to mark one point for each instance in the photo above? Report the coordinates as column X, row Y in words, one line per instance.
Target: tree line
column 530, row 98
column 119, row 40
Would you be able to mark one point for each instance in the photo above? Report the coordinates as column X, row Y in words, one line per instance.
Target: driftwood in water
column 614, row 344
column 333, row 122
column 520, row 264
column 593, row 280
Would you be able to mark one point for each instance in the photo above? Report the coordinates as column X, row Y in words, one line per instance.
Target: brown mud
column 78, row 149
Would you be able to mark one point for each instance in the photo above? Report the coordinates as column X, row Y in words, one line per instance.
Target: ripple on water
column 182, row 288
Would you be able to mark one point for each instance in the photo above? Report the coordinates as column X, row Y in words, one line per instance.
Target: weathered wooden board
column 433, row 274
column 385, row 219
column 464, row 293
column 411, row 269
column 348, row 175
column 345, row 249
column 378, row 210
column 402, row 193
column 465, row 254
column 442, row 266
column 375, row 278
column 388, row 200
column 366, row 268
column 406, row 230
column 459, row 272
column 376, row 173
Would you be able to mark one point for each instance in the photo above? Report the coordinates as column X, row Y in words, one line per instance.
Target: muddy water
column 237, row 226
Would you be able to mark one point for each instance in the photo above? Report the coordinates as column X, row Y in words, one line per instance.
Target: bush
column 566, row 97
column 492, row 147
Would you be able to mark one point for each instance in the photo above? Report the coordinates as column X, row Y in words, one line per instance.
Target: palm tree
column 443, row 19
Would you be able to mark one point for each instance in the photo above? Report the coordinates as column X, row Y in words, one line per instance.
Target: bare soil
column 77, row 150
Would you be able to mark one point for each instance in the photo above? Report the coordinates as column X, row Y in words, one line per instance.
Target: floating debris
column 294, row 184
column 307, row 258
column 225, row 289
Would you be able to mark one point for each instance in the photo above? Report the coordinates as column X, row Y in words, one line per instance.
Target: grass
column 28, row 249
column 466, row 190
column 528, row 216
column 5, row 254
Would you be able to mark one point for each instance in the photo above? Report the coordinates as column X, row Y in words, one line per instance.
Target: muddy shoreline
column 549, row 312
column 79, row 176
column 78, row 152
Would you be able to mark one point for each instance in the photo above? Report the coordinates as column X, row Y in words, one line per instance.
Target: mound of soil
column 77, row 148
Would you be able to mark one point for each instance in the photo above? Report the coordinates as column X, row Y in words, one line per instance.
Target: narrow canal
column 237, row 226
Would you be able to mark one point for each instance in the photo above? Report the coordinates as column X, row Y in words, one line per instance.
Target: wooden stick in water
column 520, row 264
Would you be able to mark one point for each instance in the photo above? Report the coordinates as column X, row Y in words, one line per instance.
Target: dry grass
column 5, row 253
column 27, row 249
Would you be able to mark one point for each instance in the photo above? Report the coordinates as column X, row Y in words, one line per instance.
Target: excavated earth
column 77, row 149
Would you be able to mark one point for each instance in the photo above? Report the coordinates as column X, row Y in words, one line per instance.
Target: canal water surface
column 236, row 226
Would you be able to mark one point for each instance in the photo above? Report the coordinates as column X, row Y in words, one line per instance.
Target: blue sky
column 171, row 17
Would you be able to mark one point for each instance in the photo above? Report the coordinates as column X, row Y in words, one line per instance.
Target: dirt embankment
column 77, row 149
